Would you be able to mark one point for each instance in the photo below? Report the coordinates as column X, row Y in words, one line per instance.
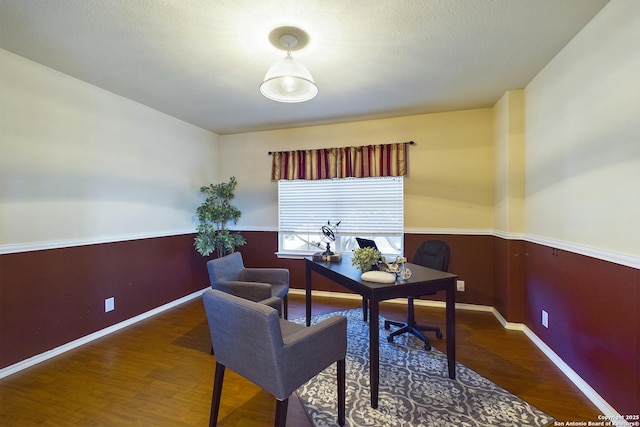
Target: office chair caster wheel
column 390, row 339
column 427, row 347
column 387, row 326
column 439, row 335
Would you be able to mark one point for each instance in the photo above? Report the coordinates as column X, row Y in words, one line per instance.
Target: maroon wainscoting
column 52, row 297
column 594, row 321
column 508, row 287
column 471, row 260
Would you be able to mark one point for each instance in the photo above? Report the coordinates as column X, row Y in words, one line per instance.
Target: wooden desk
column 423, row 281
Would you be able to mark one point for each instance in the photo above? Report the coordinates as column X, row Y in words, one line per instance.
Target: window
column 372, row 208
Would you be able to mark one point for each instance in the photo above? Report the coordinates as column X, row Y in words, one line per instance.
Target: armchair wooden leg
column 281, row 412
column 341, row 390
column 215, row 396
column 285, row 307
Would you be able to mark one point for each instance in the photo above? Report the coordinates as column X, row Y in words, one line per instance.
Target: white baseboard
column 607, row 410
column 24, row 364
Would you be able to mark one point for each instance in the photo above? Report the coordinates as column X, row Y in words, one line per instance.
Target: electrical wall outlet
column 460, row 284
column 545, row 319
column 109, row 304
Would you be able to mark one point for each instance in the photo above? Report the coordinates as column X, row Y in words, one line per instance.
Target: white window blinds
column 365, row 207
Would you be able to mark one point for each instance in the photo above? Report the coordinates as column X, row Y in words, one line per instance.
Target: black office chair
column 432, row 254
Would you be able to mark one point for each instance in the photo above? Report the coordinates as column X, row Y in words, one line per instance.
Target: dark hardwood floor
column 159, row 373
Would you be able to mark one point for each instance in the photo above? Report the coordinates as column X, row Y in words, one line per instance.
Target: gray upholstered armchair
column 275, row 354
column 229, row 275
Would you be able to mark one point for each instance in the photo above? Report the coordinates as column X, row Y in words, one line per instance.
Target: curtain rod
column 410, row 143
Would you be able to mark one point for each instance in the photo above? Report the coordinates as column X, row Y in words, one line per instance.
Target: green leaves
column 365, row 258
column 213, row 216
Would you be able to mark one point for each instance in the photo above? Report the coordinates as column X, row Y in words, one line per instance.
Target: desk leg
column 451, row 329
column 307, row 288
column 365, row 308
column 374, row 351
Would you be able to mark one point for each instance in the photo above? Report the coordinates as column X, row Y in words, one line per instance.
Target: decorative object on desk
column 213, row 216
column 397, row 267
column 328, row 237
column 366, row 258
column 378, row 276
column 414, row 388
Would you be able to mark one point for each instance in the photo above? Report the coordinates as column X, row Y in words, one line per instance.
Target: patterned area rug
column 415, row 389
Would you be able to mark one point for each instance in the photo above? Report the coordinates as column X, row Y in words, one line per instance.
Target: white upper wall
column 583, row 137
column 80, row 164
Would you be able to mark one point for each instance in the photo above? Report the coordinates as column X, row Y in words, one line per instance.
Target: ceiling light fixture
column 288, row 80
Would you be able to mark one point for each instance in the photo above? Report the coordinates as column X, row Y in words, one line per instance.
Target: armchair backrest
column 228, row 267
column 433, row 254
column 246, row 336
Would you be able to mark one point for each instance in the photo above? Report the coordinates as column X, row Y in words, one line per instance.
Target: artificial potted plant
column 366, row 258
column 213, row 216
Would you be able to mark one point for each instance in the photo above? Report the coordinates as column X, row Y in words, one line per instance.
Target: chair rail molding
column 602, row 254
column 69, row 243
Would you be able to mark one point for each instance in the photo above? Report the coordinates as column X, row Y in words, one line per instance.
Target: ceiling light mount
column 289, row 41
column 288, row 38
column 288, row 80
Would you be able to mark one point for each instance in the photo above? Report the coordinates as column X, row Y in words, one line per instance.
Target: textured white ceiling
column 203, row 60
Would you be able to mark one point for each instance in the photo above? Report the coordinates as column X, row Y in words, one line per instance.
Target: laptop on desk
column 366, row 243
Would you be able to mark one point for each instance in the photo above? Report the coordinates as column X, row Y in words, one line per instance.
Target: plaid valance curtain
column 341, row 162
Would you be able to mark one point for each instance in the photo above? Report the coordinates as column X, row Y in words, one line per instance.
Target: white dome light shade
column 288, row 81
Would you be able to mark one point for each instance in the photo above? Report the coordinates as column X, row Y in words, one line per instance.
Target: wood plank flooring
column 159, row 373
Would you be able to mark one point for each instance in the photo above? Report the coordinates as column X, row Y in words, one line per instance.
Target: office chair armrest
column 275, row 276
column 252, row 291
